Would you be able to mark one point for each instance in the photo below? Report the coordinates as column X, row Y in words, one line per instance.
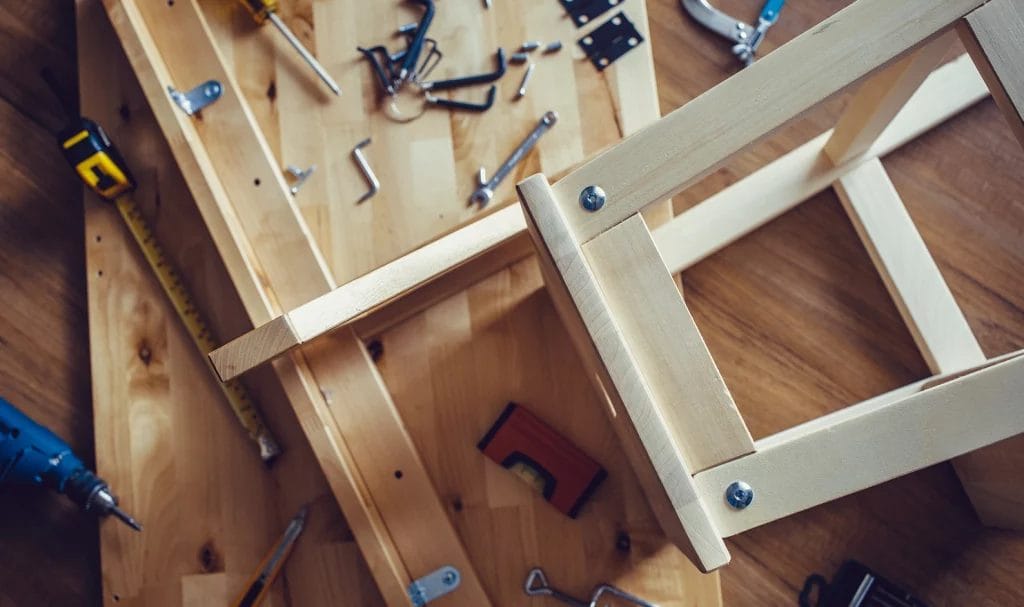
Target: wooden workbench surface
column 795, row 315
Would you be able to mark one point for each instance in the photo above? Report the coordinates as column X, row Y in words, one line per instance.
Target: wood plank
column 868, row 446
column 367, row 293
column 908, row 270
column 881, row 98
column 697, row 138
column 779, row 186
column 645, row 437
column 666, row 344
column 295, row 268
column 158, row 410
column 992, row 34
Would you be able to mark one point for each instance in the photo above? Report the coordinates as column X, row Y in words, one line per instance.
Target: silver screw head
column 739, row 495
column 449, row 578
column 592, row 198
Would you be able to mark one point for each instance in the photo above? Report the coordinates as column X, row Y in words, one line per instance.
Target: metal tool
column 266, row 10
column 536, row 584
column 529, row 46
column 97, row 162
column 32, row 455
column 526, row 81
column 403, row 75
column 483, row 195
column 364, row 166
column 746, row 38
column 299, row 176
column 257, row 587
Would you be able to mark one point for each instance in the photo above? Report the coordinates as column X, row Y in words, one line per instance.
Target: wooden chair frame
column 677, row 420
column 609, row 276
column 594, row 264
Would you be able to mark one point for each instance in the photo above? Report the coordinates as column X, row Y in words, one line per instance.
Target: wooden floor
column 796, row 317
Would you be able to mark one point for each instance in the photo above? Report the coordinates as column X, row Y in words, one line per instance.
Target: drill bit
column 126, row 518
column 104, row 504
column 306, row 55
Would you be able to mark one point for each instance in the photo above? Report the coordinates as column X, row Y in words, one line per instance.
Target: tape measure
column 98, row 163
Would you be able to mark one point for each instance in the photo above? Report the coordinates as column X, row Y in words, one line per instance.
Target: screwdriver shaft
column 306, row 55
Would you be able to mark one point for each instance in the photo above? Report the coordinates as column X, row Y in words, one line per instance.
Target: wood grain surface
column 388, row 478
column 795, row 315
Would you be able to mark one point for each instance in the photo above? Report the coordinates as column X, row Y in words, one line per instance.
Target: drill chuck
column 32, row 455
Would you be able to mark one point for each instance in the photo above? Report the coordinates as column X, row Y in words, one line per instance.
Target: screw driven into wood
column 739, row 495
column 592, row 198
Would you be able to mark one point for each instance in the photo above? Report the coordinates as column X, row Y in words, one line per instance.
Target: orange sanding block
column 524, row 444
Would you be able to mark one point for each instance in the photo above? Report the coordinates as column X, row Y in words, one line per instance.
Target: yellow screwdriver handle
column 260, row 9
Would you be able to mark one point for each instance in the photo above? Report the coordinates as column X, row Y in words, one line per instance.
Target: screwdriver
column 263, row 10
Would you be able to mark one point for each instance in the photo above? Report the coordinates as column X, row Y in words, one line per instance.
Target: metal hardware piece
column 196, row 99
column 434, row 585
column 553, row 47
column 536, row 584
column 526, row 81
column 519, row 58
column 612, row 40
column 483, row 195
column 746, row 38
column 300, row 177
column 529, row 46
column 485, row 78
column 592, row 198
column 464, row 105
column 739, row 494
column 364, row 166
column 585, row 11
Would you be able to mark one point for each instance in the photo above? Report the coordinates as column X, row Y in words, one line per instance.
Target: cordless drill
column 32, row 455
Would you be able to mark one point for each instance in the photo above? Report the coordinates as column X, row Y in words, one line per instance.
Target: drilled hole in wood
column 256, row 182
column 398, row 474
column 623, row 542
column 99, row 238
column 100, row 273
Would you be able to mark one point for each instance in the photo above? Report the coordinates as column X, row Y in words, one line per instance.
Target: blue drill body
column 32, row 455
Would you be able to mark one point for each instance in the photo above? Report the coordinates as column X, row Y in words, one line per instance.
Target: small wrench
column 537, row 585
column 483, row 195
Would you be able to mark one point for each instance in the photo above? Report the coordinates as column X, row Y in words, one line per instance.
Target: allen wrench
column 364, row 166
column 413, row 65
column 536, row 584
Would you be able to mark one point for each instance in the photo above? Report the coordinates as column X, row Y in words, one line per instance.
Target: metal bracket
column 196, row 99
column 610, row 41
column 585, row 11
column 434, row 585
column 299, row 176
